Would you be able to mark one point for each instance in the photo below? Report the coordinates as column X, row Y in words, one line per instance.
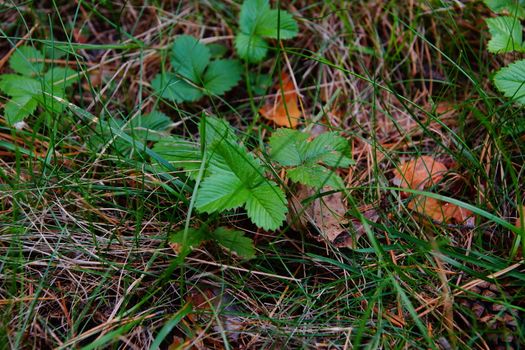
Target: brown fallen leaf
column 283, row 113
column 419, row 173
column 422, row 173
column 324, row 214
column 441, row 212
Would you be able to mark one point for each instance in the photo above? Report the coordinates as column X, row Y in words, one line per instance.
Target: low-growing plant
column 506, row 37
column 257, row 22
column 232, row 241
column 232, row 177
column 194, row 74
column 33, row 84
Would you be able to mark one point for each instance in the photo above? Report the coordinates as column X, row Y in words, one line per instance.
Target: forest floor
column 108, row 237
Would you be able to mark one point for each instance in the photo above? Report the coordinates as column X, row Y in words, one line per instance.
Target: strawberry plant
column 33, row 84
column 507, row 36
column 257, row 22
column 233, row 177
column 232, row 241
column 194, row 74
column 306, row 161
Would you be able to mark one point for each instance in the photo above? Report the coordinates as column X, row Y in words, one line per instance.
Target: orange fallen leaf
column 419, row 173
column 441, row 212
column 283, row 113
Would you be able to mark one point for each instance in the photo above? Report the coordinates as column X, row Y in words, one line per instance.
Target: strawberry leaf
column 175, row 89
column 510, row 81
column 190, row 58
column 266, row 206
column 235, row 242
column 27, row 60
column 222, row 76
column 506, row 34
column 18, row 108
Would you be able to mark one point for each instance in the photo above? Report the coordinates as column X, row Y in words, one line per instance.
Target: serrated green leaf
column 27, row 61
column 286, row 146
column 18, row 108
column 510, row 81
column 231, row 157
column 213, row 130
column 512, row 7
column 175, row 89
column 251, row 48
column 190, row 58
column 316, row 176
column 221, row 76
column 251, row 12
column 221, row 191
column 506, row 34
column 17, row 85
column 61, row 77
column 276, row 24
column 266, row 206
column 235, row 242
column 329, row 148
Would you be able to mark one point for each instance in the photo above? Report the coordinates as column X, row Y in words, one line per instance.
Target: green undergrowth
column 145, row 203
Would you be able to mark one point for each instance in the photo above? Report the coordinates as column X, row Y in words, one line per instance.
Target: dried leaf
column 441, row 212
column 419, row 173
column 325, row 214
column 283, row 113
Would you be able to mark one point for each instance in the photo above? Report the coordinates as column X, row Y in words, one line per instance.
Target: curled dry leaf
column 324, row 214
column 283, row 112
column 419, row 173
column 422, row 173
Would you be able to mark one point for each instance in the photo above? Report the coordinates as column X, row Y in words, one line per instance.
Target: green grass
column 85, row 260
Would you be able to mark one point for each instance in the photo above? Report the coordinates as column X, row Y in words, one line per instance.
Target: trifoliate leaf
column 17, row 85
column 214, row 130
column 251, row 48
column 316, row 176
column 235, row 242
column 221, row 76
column 61, row 77
column 175, row 89
column 266, row 206
column 221, row 191
column 27, row 61
column 506, row 34
column 287, row 146
column 510, row 81
column 18, row 108
column 189, row 58
column 512, row 7
column 276, row 24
